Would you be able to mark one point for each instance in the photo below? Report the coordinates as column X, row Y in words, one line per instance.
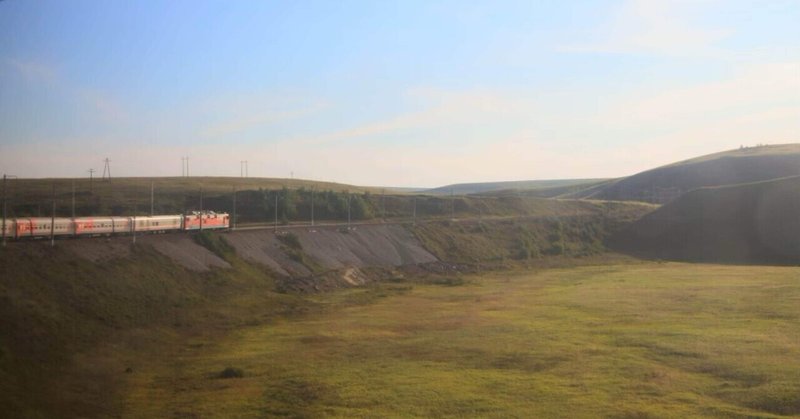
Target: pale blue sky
column 416, row 93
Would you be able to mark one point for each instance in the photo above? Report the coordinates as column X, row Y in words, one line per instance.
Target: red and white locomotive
column 91, row 226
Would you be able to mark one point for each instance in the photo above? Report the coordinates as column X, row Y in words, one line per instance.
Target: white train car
column 42, row 227
column 159, row 223
column 18, row 228
column 88, row 226
column 10, row 228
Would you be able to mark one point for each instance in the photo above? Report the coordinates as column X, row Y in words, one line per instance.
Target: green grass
column 644, row 340
column 71, row 327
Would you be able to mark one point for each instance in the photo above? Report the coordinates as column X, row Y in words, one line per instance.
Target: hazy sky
column 407, row 93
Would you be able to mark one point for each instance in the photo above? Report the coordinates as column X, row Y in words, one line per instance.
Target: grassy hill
column 666, row 183
column 84, row 319
column 559, row 191
column 521, row 185
column 747, row 223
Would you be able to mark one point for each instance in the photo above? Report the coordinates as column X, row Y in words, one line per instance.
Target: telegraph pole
column 73, row 198
column 5, row 181
column 276, row 212
column 53, row 219
column 91, row 181
column 234, row 209
column 312, row 206
column 152, row 199
column 415, row 211
column 201, row 207
column 452, row 205
column 133, row 226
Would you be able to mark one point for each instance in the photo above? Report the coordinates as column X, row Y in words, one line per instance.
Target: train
column 19, row 228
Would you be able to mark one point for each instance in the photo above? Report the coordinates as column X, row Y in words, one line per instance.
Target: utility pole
column 201, row 207
column 152, row 199
column 276, row 212
column 53, row 219
column 107, row 169
column 133, row 226
column 73, row 198
column 312, row 206
column 414, row 217
column 185, row 166
column 91, row 181
column 5, row 181
column 383, row 205
column 243, row 172
column 348, row 210
column 234, row 210
column 452, row 205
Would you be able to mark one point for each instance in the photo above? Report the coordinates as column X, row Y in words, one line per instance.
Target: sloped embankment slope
column 663, row 184
column 380, row 245
column 749, row 223
column 180, row 248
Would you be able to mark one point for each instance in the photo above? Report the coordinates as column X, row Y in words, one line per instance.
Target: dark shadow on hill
column 755, row 223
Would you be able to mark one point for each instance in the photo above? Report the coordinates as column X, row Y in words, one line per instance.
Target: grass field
column 627, row 341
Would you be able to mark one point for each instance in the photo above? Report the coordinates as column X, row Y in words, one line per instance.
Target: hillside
column 663, row 184
column 749, row 223
column 81, row 318
column 552, row 191
column 521, row 185
column 125, row 196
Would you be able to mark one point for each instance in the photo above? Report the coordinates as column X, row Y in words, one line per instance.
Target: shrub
column 291, row 240
column 231, row 372
column 214, row 243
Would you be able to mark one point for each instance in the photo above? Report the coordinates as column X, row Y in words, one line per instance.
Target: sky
column 406, row 93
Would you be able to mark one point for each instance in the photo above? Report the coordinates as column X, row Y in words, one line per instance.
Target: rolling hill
column 748, row 223
column 519, row 185
column 663, row 184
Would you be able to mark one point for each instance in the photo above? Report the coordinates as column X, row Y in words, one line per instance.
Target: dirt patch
column 263, row 246
column 388, row 245
column 354, row 277
column 179, row 247
column 385, row 246
column 185, row 252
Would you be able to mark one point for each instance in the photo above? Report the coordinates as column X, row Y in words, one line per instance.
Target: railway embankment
column 304, row 252
column 79, row 318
